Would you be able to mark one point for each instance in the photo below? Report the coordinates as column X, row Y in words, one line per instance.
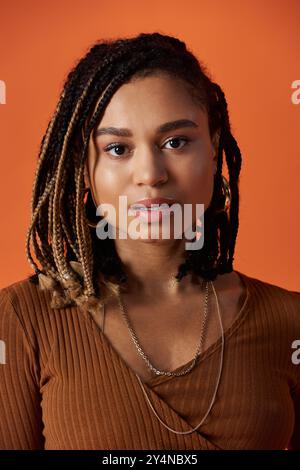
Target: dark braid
column 69, row 252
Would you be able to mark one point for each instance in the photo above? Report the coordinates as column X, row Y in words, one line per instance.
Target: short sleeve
column 21, row 425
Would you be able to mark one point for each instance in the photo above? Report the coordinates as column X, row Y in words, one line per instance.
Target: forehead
column 147, row 102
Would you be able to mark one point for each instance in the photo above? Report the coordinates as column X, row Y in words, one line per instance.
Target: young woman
column 135, row 342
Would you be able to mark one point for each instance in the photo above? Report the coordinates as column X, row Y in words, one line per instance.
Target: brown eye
column 175, row 141
column 118, row 148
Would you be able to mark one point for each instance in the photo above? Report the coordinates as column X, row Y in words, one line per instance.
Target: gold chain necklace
column 144, row 355
column 217, row 382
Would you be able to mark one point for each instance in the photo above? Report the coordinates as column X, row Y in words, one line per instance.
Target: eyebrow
column 167, row 126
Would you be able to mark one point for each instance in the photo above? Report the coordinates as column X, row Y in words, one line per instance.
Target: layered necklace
column 123, row 309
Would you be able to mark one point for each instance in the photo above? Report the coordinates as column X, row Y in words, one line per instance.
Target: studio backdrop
column 251, row 48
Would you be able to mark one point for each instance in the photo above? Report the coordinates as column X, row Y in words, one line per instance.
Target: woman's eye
column 116, row 147
column 119, row 148
column 176, row 140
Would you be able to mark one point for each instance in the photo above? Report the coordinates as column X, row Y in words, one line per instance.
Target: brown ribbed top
column 64, row 386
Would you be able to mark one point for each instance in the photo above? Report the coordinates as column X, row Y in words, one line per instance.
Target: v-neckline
column 159, row 379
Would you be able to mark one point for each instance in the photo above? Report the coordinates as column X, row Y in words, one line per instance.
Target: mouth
column 156, row 213
column 152, row 203
column 153, row 207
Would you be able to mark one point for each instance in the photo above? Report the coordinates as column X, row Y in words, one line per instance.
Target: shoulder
column 272, row 293
column 24, row 303
column 274, row 302
column 25, row 294
column 275, row 316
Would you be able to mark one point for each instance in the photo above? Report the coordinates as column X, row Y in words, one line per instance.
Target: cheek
column 109, row 184
column 201, row 188
column 197, row 184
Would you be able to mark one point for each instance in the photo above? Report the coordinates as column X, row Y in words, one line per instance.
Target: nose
column 149, row 168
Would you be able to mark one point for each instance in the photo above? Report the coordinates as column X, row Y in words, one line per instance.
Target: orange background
column 252, row 50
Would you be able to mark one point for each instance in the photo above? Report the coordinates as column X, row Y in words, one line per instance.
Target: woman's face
column 145, row 161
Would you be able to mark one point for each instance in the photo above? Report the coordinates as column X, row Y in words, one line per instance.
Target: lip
column 151, row 201
column 148, row 216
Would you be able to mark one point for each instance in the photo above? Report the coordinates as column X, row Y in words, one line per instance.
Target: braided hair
column 75, row 264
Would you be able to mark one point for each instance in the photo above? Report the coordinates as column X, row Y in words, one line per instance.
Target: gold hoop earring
column 90, row 224
column 89, row 207
column 226, row 192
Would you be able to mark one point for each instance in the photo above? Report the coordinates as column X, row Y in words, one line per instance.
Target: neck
column 151, row 267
